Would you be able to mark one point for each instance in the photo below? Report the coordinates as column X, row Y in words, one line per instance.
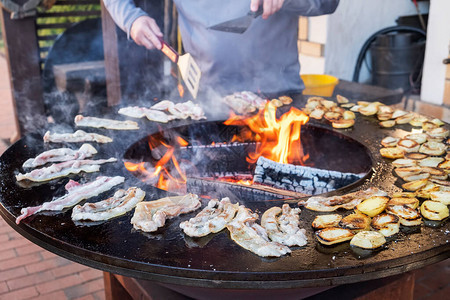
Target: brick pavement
column 29, row 272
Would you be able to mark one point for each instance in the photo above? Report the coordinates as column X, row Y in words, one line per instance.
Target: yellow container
column 319, row 85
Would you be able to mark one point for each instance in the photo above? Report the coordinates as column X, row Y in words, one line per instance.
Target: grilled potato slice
column 407, row 215
column 334, row 235
column 419, row 138
column 408, row 145
column 387, row 123
column 368, row 240
column 416, row 177
column 326, row 221
column 444, row 165
column 389, row 141
column 428, row 125
column 404, row 163
column 441, row 196
column 405, row 119
column 435, row 173
column 384, row 116
column 383, row 109
column 431, row 161
column 369, row 110
column 373, row 205
column 276, row 102
column 348, row 105
column 438, row 133
column 398, row 113
column 348, row 115
column 317, row 113
column 408, row 171
column 386, row 224
column 435, row 211
column 328, row 104
column 416, row 155
column 392, row 153
column 355, row 222
column 343, row 123
column 437, row 122
column 404, row 195
column 426, row 190
column 332, row 116
column 341, row 99
column 417, row 121
column 410, row 202
column 415, row 185
column 433, row 148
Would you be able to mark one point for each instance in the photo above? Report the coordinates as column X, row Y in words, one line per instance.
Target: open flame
column 277, row 140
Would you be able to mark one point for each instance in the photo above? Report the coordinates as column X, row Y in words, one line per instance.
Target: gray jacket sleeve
column 310, row 7
column 124, row 13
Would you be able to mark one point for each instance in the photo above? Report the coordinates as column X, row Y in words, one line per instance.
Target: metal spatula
column 238, row 25
column 189, row 70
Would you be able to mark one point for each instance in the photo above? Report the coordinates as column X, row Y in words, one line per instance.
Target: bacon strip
column 60, row 154
column 64, row 169
column 122, row 202
column 76, row 193
column 78, row 136
column 105, row 123
column 149, row 216
column 213, row 218
column 249, row 235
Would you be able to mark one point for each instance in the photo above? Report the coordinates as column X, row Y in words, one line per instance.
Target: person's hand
column 270, row 6
column 145, row 32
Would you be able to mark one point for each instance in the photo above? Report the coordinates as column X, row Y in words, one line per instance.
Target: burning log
column 220, row 189
column 300, row 179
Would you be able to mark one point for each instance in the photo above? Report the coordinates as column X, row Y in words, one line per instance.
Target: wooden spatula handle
column 171, row 53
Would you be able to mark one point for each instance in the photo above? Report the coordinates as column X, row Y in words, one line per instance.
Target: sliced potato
column 408, row 201
column 433, row 148
column 387, row 224
column 355, row 108
column 341, row 99
column 438, row 133
column 317, row 114
column 392, row 153
column 437, row 122
column 373, row 205
column 444, row 164
column 415, row 185
column 408, row 145
column 334, row 235
column 405, row 119
column 276, row 102
column 347, row 105
column 398, row 113
column 404, row 162
column 428, row 125
column 349, row 115
column 441, row 196
column 432, row 161
column 332, row 116
column 415, row 177
column 407, row 215
column 435, row 173
column 435, row 211
column 368, row 240
column 383, row 109
column 426, row 190
column 384, row 116
column 355, row 222
column 328, row 103
column 389, row 141
column 417, row 121
column 415, row 155
column 419, row 138
column 387, row 123
column 326, row 221
column 363, row 103
column 369, row 110
column 407, row 171
column 343, row 123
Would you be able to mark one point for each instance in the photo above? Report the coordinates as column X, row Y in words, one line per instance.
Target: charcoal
column 301, row 179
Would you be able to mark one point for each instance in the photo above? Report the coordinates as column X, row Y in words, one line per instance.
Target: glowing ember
column 278, row 139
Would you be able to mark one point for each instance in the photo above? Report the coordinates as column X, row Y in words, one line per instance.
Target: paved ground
column 30, row 272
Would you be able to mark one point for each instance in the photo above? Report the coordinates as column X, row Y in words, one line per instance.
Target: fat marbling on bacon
column 59, row 155
column 78, row 136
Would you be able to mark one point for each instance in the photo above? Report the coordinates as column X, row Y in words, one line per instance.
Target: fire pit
column 215, row 261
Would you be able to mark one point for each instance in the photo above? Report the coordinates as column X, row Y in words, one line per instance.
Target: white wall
column 353, row 23
column 437, row 48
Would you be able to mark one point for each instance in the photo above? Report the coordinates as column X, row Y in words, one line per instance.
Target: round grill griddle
column 215, row 260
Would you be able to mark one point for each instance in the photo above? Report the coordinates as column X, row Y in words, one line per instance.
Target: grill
column 216, row 261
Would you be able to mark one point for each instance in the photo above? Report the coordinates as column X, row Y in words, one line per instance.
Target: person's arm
column 135, row 22
column 300, row 7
